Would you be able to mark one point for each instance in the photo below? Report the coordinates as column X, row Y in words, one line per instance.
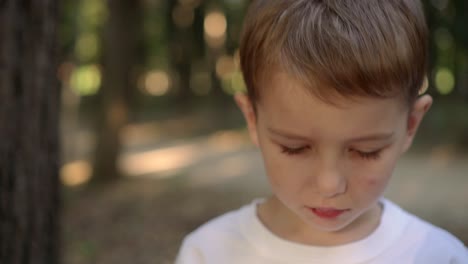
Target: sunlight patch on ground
column 228, row 140
column 157, row 161
column 75, row 173
column 225, row 169
column 169, row 161
column 166, row 162
column 139, row 134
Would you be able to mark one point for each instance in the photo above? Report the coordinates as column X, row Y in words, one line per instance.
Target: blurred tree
column 216, row 37
column 448, row 46
column 29, row 109
column 461, row 50
column 120, row 57
column 235, row 11
column 180, row 36
column 215, row 26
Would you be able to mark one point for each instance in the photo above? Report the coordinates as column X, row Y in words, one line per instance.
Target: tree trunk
column 29, row 109
column 119, row 79
column 181, row 49
column 212, row 55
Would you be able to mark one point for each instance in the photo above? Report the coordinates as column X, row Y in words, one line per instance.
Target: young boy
column 335, row 96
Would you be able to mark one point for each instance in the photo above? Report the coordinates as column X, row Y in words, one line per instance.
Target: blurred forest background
column 153, row 146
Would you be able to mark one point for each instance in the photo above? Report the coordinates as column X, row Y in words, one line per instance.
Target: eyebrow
column 286, row 134
column 371, row 137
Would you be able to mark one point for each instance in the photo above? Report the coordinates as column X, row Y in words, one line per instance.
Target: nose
column 329, row 180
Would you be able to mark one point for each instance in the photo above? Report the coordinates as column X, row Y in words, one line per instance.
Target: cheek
column 372, row 182
column 375, row 183
column 279, row 174
column 273, row 167
column 367, row 187
column 374, row 179
column 284, row 176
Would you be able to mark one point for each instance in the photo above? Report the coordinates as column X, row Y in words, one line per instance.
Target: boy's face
column 329, row 164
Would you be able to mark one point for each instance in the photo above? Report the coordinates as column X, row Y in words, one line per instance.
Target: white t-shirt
column 240, row 237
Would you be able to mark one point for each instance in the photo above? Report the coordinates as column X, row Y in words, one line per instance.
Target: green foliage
column 83, row 22
column 449, row 46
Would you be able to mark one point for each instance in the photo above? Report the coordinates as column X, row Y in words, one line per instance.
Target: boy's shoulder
column 218, row 239
column 226, row 227
column 440, row 241
column 430, row 243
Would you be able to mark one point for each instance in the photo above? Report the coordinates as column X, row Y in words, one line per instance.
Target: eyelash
column 292, row 151
column 374, row 155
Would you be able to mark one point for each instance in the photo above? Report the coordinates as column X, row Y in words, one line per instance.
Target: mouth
column 327, row 213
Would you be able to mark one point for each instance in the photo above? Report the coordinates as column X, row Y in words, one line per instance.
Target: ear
column 245, row 105
column 420, row 108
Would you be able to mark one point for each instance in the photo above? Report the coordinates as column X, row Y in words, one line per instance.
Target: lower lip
column 327, row 213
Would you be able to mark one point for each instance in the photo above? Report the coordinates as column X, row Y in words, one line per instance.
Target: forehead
column 286, row 104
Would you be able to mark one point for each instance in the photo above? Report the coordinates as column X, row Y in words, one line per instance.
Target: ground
column 174, row 185
column 143, row 219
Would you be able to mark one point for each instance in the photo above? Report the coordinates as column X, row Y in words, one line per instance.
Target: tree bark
column 29, row 109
